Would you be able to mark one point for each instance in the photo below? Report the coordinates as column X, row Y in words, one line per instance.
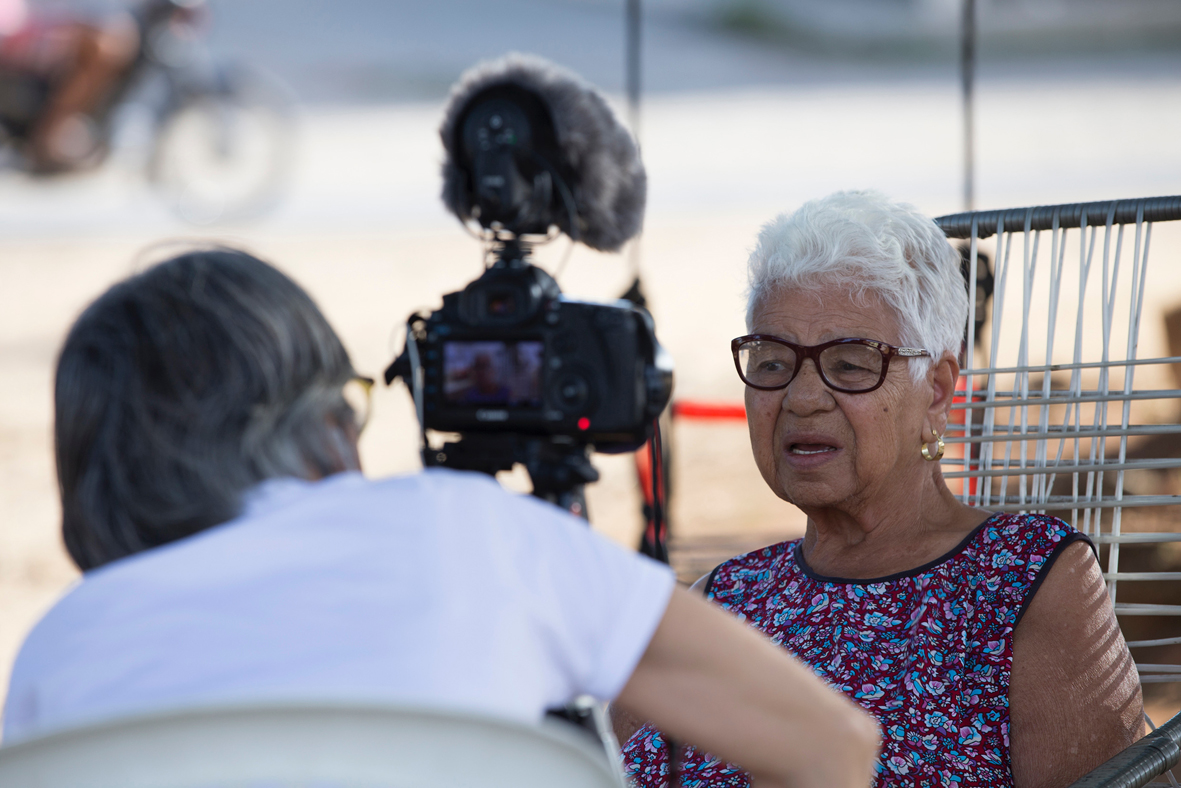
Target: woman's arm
column 1074, row 694
column 623, row 725
column 708, row 680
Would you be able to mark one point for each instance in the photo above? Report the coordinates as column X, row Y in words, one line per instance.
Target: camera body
column 510, row 354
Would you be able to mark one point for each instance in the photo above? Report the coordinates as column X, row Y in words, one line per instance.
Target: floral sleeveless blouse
column 928, row 652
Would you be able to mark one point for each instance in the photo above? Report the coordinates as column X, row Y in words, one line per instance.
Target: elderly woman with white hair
column 983, row 643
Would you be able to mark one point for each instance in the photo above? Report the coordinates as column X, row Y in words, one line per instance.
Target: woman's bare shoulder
column 1072, row 679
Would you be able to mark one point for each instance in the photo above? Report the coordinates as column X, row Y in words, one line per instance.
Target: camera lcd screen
column 493, row 373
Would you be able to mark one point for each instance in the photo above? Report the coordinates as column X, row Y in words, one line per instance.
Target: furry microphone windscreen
column 610, row 185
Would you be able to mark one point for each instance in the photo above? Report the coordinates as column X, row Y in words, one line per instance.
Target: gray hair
column 182, row 387
column 864, row 242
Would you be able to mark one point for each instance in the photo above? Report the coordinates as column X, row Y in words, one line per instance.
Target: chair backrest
column 1064, row 415
column 306, row 746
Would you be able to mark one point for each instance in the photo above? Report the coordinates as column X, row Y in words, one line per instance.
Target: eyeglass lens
column 357, row 395
column 852, row 367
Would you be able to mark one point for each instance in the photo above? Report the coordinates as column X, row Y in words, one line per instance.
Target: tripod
column 559, row 468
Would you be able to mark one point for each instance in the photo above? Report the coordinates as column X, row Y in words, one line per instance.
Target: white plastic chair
column 310, row 746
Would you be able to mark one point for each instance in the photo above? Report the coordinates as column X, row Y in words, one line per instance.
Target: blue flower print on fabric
column 927, row 652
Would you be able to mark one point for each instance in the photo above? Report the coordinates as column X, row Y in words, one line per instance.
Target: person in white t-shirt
column 232, row 552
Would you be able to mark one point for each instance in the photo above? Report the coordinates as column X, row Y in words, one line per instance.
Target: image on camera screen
column 501, row 373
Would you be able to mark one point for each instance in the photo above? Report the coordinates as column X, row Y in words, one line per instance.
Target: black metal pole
column 633, row 66
column 968, row 84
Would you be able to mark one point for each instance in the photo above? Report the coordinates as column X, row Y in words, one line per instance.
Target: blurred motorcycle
column 220, row 137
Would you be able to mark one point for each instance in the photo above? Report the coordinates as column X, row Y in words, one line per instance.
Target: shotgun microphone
column 530, row 145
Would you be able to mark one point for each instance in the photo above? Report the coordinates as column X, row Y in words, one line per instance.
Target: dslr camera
column 522, row 373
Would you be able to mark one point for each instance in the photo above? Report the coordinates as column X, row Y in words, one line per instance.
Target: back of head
column 182, row 387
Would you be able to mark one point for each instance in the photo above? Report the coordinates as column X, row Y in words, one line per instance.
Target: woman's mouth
column 810, row 448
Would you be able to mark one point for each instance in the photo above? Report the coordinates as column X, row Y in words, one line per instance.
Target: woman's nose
column 807, row 393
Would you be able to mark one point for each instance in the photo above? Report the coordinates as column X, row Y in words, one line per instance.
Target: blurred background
column 750, row 107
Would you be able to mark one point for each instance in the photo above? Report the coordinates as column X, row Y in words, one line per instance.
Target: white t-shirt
column 439, row 589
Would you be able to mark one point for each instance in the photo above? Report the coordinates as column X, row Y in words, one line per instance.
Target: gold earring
column 939, row 447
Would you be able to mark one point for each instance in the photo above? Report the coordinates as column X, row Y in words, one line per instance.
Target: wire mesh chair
column 1060, row 414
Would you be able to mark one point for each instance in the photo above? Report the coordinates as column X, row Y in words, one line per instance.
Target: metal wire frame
column 984, row 224
column 1031, row 441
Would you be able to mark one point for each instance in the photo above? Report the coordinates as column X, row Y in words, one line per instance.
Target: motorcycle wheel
column 225, row 154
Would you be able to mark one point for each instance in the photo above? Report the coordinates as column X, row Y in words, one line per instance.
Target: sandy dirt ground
column 363, row 232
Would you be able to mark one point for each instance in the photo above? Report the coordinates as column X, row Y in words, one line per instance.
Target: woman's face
column 822, row 448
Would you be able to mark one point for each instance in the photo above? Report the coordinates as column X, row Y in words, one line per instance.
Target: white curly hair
column 865, row 242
